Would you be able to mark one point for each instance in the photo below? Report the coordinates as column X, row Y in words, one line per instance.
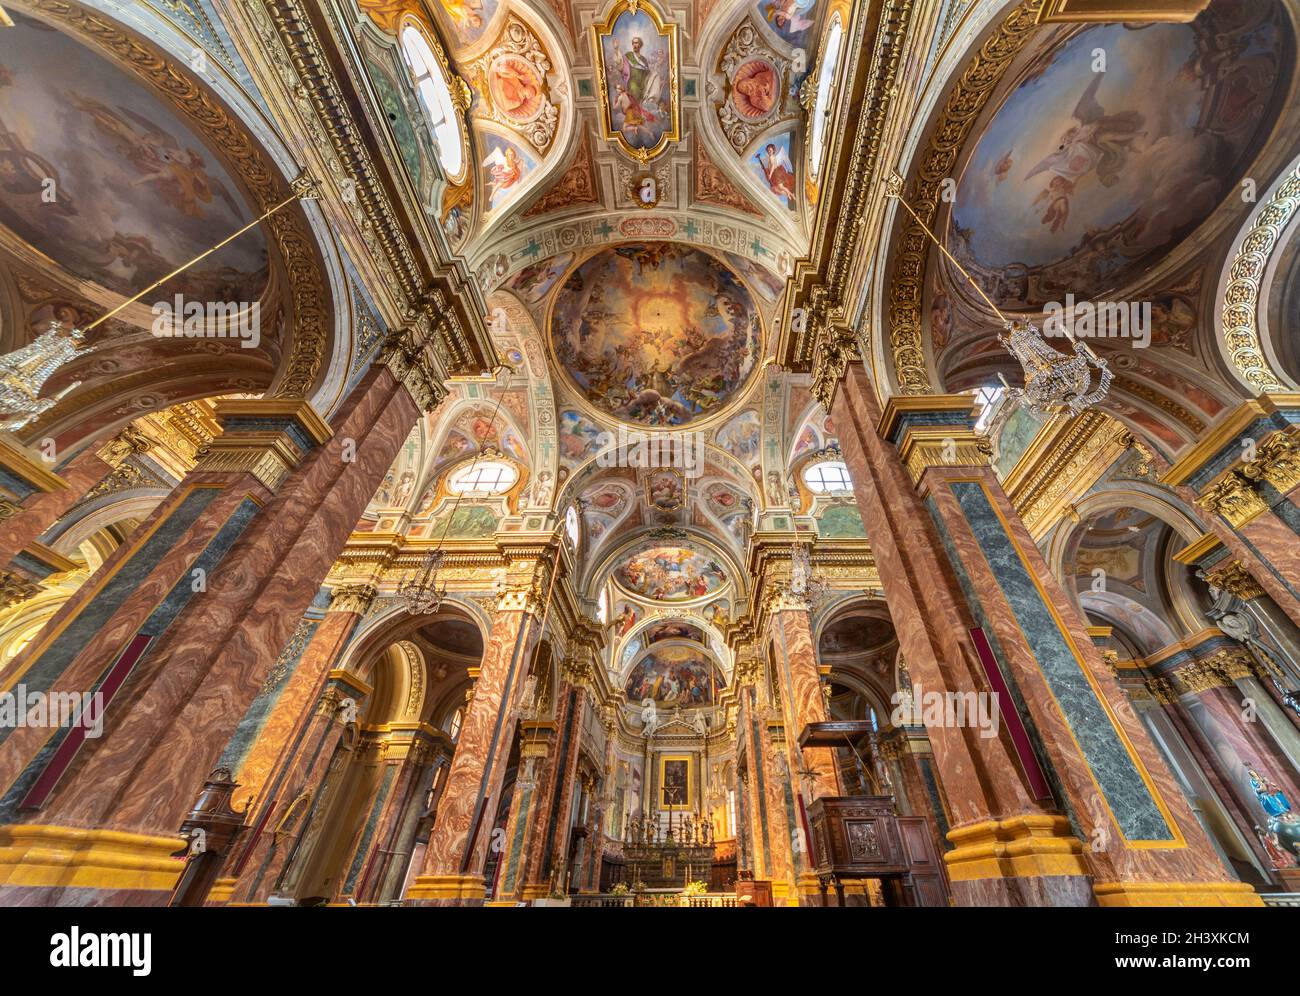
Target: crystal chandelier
column 420, row 592
column 1055, row 382
column 23, row 374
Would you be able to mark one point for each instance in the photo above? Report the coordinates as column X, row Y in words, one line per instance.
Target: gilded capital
column 127, row 442
column 411, row 353
column 1233, row 578
column 1277, row 461
column 355, row 598
column 1233, row 498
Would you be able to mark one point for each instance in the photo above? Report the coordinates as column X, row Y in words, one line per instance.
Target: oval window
column 435, row 92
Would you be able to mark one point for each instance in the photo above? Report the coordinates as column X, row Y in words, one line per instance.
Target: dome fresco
column 675, row 675
column 671, row 574
column 656, row 334
column 1085, row 178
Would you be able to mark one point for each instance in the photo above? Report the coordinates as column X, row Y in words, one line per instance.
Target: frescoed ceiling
column 1090, row 172
column 594, row 123
column 637, row 194
column 135, row 192
column 1115, row 163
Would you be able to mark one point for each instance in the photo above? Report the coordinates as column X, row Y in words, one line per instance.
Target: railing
column 654, row 899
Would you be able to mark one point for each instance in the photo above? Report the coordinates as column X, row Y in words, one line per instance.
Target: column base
column 1030, row 860
column 36, row 861
column 450, row 890
column 808, row 893
column 1019, row 847
column 221, row 891
column 1176, row 894
column 535, row 890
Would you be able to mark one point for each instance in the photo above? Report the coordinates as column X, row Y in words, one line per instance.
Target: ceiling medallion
column 635, row 53
column 656, row 334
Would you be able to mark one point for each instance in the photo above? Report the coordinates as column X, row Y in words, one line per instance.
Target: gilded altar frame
column 684, row 806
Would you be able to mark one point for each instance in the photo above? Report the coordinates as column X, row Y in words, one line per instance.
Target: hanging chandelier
column 421, row 593
column 23, row 374
column 1055, row 382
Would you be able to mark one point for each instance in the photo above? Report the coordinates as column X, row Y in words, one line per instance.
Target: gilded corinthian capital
column 1233, row 498
column 1233, row 578
column 1277, row 461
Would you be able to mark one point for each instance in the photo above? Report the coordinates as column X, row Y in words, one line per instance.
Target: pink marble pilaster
column 455, row 858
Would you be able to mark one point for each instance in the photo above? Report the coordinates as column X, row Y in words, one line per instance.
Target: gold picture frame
column 685, row 805
column 667, row 31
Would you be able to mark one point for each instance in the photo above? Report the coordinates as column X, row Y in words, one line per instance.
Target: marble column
column 408, row 752
column 455, row 858
column 179, row 626
column 550, row 864
column 281, row 747
column 941, row 525
column 1012, row 847
column 770, row 796
column 813, row 771
column 525, row 826
column 35, row 492
column 1212, row 683
column 608, row 797
column 1275, row 641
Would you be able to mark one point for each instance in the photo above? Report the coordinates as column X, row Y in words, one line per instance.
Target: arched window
column 571, row 524
column 988, row 399
column 434, row 87
column 483, row 477
column 822, row 104
column 457, row 718
column 828, row 477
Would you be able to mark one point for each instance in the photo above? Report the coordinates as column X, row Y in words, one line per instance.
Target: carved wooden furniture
column 862, row 836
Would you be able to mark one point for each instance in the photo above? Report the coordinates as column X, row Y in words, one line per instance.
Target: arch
column 308, row 355
column 1146, row 628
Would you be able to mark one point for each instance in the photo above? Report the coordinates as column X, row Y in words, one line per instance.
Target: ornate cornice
column 823, row 281
column 1064, row 460
column 936, row 163
column 287, row 31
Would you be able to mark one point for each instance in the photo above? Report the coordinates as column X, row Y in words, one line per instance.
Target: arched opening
column 372, row 812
